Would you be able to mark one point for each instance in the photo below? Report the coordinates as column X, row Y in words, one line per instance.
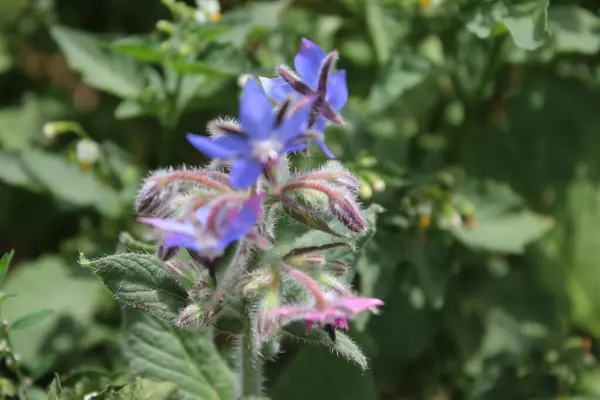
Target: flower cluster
column 226, row 216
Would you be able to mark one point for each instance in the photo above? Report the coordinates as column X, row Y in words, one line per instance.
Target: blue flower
column 263, row 140
column 316, row 80
column 212, row 227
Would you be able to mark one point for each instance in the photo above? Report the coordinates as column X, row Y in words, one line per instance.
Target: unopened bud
column 190, row 316
column 165, row 26
column 50, row 130
column 271, row 348
column 349, row 214
column 339, row 268
column 154, row 194
column 307, row 259
column 378, row 184
column 166, row 253
column 366, row 191
column 87, row 153
column 256, row 282
column 185, row 272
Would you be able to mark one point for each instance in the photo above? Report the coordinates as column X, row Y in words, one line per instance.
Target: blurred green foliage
column 473, row 123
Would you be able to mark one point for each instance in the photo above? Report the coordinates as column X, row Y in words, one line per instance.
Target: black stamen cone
column 330, row 331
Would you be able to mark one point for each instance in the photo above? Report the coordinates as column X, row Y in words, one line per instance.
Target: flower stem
column 250, row 364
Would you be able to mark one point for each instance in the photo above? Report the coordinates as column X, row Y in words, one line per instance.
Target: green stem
column 169, row 123
column 250, row 364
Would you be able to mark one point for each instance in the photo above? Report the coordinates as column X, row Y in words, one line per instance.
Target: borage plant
column 247, row 268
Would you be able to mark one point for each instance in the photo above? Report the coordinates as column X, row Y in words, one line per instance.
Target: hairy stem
column 250, row 364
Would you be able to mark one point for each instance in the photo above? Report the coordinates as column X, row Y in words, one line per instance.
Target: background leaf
column 189, row 359
column 114, row 73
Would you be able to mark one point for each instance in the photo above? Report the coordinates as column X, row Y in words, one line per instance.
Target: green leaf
column 574, row 29
column 417, row 327
column 188, row 359
column 143, row 48
column 128, row 243
column 316, row 372
column 31, row 319
column 12, row 171
column 111, row 72
column 140, row 281
column 130, row 109
column 402, row 73
column 374, row 15
column 47, row 283
column 526, row 21
column 70, row 184
column 145, row 389
column 5, row 263
column 32, row 393
column 502, row 225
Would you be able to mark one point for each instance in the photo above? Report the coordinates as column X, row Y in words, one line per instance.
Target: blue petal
column 244, row 173
column 320, row 125
column 243, row 222
column 179, row 240
column 295, row 125
column 223, row 147
column 256, row 111
column 337, row 90
column 323, row 146
column 277, row 88
column 169, row 225
column 202, row 213
column 308, row 62
column 295, row 147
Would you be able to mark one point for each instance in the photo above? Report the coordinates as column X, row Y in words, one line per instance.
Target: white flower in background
column 208, row 10
column 87, row 153
column 242, row 79
column 50, row 130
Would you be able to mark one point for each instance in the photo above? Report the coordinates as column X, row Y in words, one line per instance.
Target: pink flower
column 336, row 311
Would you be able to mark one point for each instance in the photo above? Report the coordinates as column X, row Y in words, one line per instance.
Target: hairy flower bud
column 185, row 272
column 349, row 214
column 314, row 259
column 338, row 267
column 153, row 195
column 190, row 316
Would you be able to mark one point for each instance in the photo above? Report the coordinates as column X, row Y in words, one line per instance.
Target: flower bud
column 314, row 259
column 257, row 282
column 190, row 316
column 154, row 194
column 349, row 214
column 339, row 268
column 271, row 348
column 185, row 272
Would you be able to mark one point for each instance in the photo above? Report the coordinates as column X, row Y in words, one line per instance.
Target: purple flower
column 316, row 80
column 263, row 140
column 336, row 311
column 212, row 227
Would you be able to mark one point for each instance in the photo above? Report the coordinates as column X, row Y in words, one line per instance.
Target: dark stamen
column 293, row 81
column 325, row 72
column 330, row 331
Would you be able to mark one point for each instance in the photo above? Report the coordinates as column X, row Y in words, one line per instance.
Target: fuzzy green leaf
column 139, row 281
column 128, row 243
column 189, row 359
